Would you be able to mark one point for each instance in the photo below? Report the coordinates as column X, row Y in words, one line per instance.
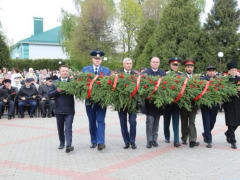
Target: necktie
column 96, row 70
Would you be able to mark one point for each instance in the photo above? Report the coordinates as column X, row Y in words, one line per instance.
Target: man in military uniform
column 188, row 117
column 96, row 114
column 27, row 95
column 152, row 112
column 45, row 101
column 209, row 114
column 128, row 136
column 64, row 110
column 172, row 110
column 7, row 97
column 231, row 108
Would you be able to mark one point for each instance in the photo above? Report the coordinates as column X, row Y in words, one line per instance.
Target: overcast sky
column 16, row 16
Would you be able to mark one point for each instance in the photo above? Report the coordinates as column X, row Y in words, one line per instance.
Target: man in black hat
column 231, row 108
column 209, row 114
column 172, row 110
column 27, row 95
column 7, row 97
column 152, row 112
column 188, row 117
column 64, row 110
column 96, row 114
column 46, row 102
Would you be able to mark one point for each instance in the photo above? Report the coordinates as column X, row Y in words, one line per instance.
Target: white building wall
column 46, row 52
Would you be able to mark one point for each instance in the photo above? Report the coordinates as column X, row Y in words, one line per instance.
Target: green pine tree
column 220, row 34
column 4, row 52
column 143, row 36
column 177, row 34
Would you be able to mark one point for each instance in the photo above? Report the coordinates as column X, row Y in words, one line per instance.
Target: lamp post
column 220, row 55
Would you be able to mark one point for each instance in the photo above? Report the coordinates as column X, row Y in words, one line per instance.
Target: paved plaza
column 28, row 150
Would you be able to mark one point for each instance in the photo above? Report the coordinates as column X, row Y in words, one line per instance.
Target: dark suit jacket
column 64, row 103
column 150, row 108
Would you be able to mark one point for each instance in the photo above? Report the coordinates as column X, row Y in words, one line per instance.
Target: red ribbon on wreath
column 156, row 87
column 182, row 91
column 90, row 86
column 115, row 82
column 137, row 87
column 203, row 92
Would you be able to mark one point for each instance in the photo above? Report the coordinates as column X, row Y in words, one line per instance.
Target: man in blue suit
column 96, row 114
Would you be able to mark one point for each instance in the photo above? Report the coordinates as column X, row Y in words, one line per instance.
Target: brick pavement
column 28, row 150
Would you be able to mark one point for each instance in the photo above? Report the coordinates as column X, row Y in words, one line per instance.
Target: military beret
column 175, row 60
column 231, row 65
column 210, row 67
column 7, row 81
column 97, row 53
column 188, row 62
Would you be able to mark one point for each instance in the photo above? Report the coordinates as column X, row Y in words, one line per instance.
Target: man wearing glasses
column 96, row 114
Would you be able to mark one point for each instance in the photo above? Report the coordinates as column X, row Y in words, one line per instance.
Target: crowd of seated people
column 26, row 92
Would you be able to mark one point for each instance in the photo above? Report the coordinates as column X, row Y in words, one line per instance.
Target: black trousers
column 230, row 133
column 47, row 104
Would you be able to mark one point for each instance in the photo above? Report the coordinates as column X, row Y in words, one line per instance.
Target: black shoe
column 233, row 146
column 133, row 145
column 184, row 142
column 49, row 116
column 126, row 146
column 149, row 145
column 155, row 144
column 69, row 149
column 0, row 117
column 43, row 115
column 209, row 145
column 167, row 141
column 227, row 138
column 9, row 117
column 193, row 144
column 93, row 146
column 176, row 144
column 204, row 138
column 60, row 146
column 31, row 116
column 101, row 147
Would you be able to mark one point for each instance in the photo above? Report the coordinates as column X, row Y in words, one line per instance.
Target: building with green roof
column 41, row 45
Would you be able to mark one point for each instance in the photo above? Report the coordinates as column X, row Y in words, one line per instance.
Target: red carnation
column 201, row 82
column 89, row 75
column 172, row 87
column 216, row 89
column 151, row 81
column 121, row 76
column 176, row 81
column 89, row 80
column 163, row 87
column 179, row 77
column 145, row 86
column 191, row 86
column 98, row 82
column 143, row 76
column 126, row 85
column 79, row 79
column 156, row 82
column 222, row 86
column 109, row 82
column 165, row 82
column 88, row 84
